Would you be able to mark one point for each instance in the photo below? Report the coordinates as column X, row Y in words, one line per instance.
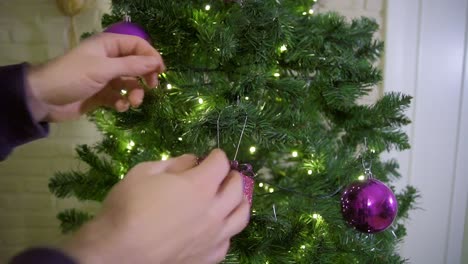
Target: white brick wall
column 34, row 31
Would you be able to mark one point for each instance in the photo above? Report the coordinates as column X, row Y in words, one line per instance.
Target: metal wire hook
column 367, row 165
column 242, row 132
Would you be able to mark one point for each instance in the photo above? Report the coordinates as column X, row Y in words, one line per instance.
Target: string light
column 303, row 247
column 304, row 13
column 169, row 86
column 253, row 149
column 277, row 74
column 200, row 100
column 164, row 157
column 180, row 139
column 361, row 178
column 283, row 48
column 311, row 11
column 309, row 172
column 260, row 185
column 207, row 7
column 271, row 190
column 123, row 92
column 295, row 154
column 318, row 218
column 122, row 176
column 247, row 98
column 130, row 145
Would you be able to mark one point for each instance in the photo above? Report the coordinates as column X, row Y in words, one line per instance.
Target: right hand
column 167, row 212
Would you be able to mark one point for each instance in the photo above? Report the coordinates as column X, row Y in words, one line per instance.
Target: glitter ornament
column 369, row 206
column 128, row 28
column 247, row 174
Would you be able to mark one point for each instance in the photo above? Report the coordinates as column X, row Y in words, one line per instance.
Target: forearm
column 42, row 256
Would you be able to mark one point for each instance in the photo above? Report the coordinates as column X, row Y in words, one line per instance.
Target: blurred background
column 426, row 57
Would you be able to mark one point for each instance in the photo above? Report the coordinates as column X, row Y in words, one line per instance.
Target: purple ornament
column 128, row 28
column 369, row 206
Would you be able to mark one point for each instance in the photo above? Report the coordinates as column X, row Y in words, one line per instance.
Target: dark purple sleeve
column 17, row 125
column 42, row 256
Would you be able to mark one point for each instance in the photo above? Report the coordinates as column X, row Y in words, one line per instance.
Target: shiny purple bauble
column 369, row 206
column 128, row 28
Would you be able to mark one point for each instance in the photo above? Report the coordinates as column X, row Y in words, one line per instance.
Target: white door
column 426, row 57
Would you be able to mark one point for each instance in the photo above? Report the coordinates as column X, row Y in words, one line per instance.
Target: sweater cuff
column 17, row 123
column 42, row 256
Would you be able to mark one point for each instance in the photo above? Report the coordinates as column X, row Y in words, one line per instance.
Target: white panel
column 460, row 194
column 425, row 53
column 437, row 109
column 401, row 57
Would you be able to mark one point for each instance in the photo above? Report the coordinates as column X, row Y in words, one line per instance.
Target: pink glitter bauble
column 248, row 187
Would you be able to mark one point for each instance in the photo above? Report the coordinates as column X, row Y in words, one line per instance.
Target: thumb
column 131, row 66
column 212, row 171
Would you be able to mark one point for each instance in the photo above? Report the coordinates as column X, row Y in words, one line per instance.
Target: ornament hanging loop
column 242, row 132
column 366, row 164
column 127, row 18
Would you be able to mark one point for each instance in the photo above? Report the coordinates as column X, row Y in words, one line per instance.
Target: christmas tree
column 276, row 86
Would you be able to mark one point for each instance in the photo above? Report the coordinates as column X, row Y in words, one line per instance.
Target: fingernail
column 155, row 80
column 122, row 105
column 151, row 63
column 137, row 104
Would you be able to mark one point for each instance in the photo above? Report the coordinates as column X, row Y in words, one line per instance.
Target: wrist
column 91, row 244
column 37, row 107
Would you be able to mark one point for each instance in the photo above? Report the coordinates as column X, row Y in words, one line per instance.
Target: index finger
column 120, row 45
column 212, row 171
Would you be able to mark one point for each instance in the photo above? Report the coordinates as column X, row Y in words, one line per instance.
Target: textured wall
column 34, row 31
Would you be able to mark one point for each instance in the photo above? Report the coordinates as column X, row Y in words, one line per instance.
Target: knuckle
column 222, row 252
column 190, row 157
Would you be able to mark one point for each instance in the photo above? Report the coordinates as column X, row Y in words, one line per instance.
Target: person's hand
column 93, row 75
column 167, row 212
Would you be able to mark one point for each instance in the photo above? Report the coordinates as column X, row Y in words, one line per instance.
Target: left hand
column 93, row 75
